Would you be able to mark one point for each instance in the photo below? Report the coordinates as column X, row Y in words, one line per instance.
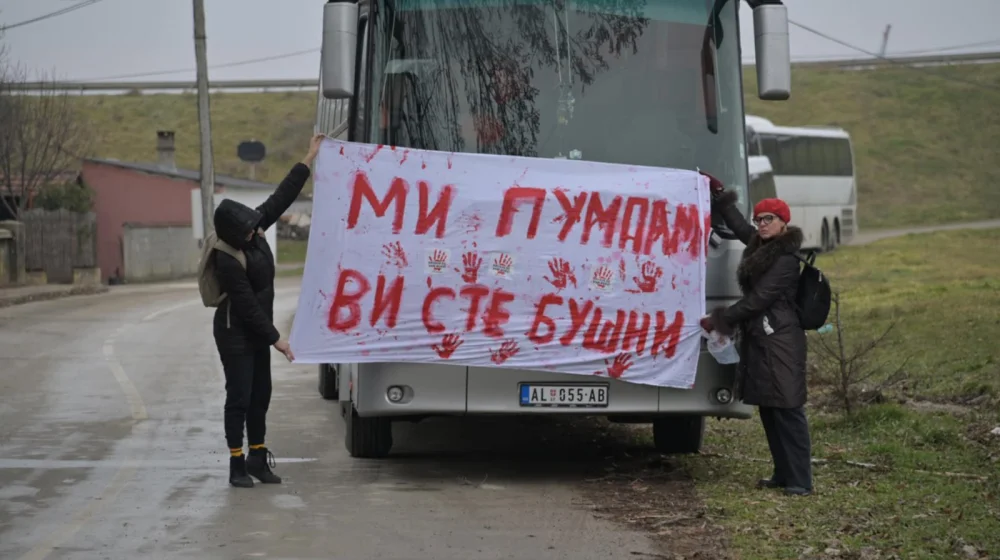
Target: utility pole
column 885, row 40
column 204, row 121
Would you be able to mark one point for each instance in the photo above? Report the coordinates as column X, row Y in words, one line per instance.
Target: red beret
column 774, row 206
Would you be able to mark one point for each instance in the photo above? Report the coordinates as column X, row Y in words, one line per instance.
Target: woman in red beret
column 772, row 344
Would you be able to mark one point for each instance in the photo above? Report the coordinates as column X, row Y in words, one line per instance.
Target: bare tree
column 41, row 137
column 851, row 369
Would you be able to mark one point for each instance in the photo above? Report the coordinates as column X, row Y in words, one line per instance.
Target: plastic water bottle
column 827, row 328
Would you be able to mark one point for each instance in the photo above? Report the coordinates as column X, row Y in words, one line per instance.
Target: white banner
column 510, row 262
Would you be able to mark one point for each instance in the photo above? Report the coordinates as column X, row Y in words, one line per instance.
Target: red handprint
column 471, row 262
column 449, row 344
column 621, row 364
column 561, row 273
column 602, row 277
column 650, row 273
column 394, row 251
column 438, row 260
column 507, row 350
column 502, row 265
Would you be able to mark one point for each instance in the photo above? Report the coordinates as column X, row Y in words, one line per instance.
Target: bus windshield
column 639, row 82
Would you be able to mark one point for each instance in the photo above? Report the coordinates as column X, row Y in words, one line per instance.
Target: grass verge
column 943, row 290
column 900, row 479
column 292, row 251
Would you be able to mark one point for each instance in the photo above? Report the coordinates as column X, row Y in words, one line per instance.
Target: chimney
column 165, row 150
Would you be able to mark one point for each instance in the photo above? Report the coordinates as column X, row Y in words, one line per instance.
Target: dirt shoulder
column 643, row 490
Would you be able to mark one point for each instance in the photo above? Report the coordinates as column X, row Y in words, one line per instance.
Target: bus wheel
column 328, row 382
column 825, row 237
column 367, row 438
column 678, row 434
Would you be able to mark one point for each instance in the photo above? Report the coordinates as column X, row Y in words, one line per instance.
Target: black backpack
column 812, row 301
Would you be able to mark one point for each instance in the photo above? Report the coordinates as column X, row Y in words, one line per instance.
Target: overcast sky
column 120, row 37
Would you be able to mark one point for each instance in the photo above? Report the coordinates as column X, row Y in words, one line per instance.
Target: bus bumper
column 444, row 390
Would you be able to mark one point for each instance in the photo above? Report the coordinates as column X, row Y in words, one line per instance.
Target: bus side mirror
column 340, row 43
column 774, row 68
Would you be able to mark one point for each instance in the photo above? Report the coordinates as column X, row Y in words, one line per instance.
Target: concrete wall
column 128, row 196
column 159, row 252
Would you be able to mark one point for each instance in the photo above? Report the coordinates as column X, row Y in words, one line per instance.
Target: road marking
column 131, row 393
column 121, row 478
column 54, row 464
column 165, row 310
column 182, row 305
column 128, row 467
column 125, row 471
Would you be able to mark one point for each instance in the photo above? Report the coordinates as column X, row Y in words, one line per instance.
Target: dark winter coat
column 244, row 321
column 772, row 344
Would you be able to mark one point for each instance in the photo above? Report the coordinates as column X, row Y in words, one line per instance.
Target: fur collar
column 760, row 255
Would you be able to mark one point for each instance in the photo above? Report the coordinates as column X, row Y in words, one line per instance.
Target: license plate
column 564, row 395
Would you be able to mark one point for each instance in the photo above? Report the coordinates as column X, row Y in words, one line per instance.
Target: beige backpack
column 208, row 284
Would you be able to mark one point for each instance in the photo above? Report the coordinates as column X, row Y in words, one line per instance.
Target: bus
column 638, row 82
column 814, row 174
column 761, row 179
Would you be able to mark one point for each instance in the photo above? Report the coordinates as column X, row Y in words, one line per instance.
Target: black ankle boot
column 238, row 472
column 259, row 466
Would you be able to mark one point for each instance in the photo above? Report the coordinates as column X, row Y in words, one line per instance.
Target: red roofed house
column 144, row 214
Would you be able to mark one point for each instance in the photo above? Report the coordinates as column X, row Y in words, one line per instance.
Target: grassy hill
column 925, row 142
column 926, row 147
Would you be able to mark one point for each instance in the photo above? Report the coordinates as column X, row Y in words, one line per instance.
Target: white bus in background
column 814, row 173
column 761, row 179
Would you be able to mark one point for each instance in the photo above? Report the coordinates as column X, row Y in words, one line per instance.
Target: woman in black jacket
column 244, row 321
column 772, row 344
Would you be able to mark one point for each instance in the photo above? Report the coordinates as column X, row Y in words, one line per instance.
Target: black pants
column 248, row 394
column 788, row 437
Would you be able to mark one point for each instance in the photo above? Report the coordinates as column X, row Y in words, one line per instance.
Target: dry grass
column 895, row 480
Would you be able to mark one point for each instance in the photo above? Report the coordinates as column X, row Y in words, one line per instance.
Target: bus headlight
column 724, row 396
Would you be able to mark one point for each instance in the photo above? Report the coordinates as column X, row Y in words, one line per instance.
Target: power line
column 86, row 3
column 831, row 58
column 213, row 67
column 936, row 50
column 56, row 13
column 890, row 60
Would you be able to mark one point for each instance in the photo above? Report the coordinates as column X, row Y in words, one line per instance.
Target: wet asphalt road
column 111, row 446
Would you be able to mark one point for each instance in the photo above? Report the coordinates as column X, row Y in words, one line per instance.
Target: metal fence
column 59, row 241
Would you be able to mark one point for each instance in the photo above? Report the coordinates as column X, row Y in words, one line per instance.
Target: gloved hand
column 715, row 184
column 706, row 323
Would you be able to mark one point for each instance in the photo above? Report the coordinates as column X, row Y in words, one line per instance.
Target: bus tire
column 825, row 237
column 678, row 434
column 329, row 382
column 366, row 438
